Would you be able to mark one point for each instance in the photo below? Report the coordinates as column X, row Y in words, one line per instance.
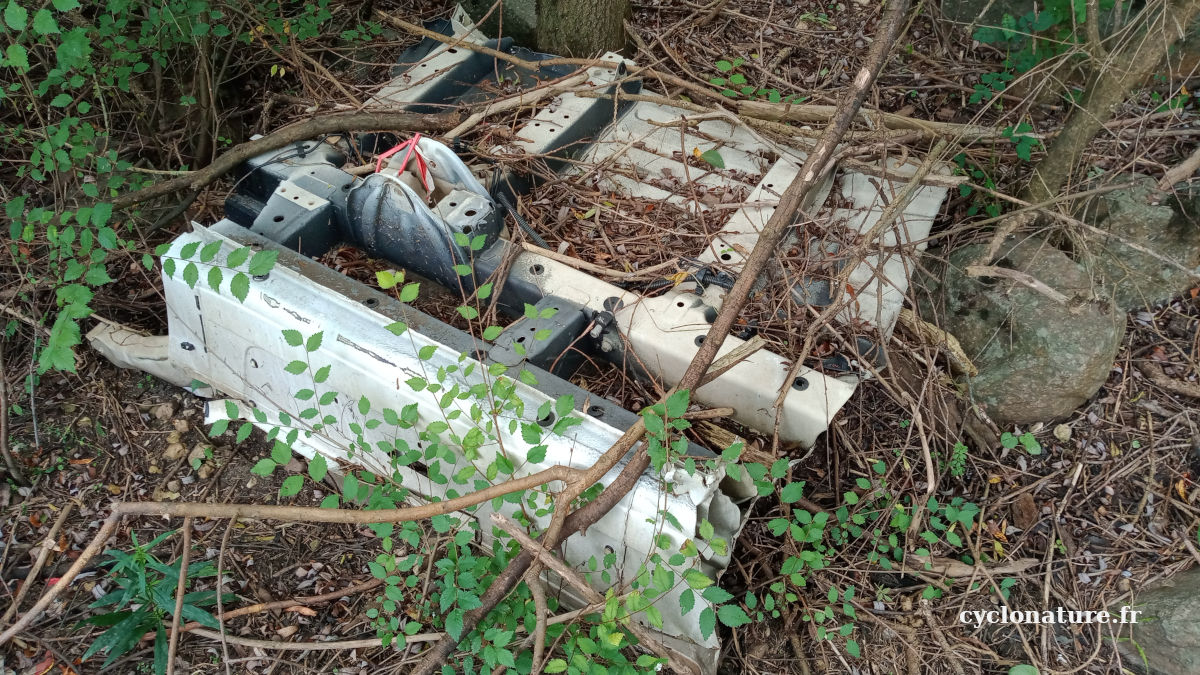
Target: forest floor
column 1107, row 505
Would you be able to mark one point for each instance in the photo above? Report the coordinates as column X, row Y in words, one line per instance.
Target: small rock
column 180, row 425
column 1062, row 432
column 163, row 411
column 200, row 452
column 294, row 465
column 204, row 471
column 173, row 452
column 154, row 469
column 174, row 437
column 174, row 485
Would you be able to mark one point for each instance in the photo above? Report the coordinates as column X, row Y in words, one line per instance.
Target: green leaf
column 207, row 253
column 17, row 57
column 215, row 278
column 386, row 279
column 243, row 431
column 61, row 101
column 314, row 341
column 425, row 353
column 1023, row 669
column 237, row 256
column 732, row 616
column 191, row 274
column 239, row 286
column 555, row 666
column 317, row 468
column 364, row 406
column 792, row 492
column 717, row 595
column 294, row 338
column 281, row 453
column 724, row 66
column 296, row 367
column 492, row 332
column 15, row 16
column 677, row 403
column 45, row 23
column 854, row 650
column 264, row 467
column 454, row 624
column 409, row 292
column 397, row 328
column 714, row 158
column 65, row 5
column 708, row 622
column 97, row 275
column 262, row 262
column 291, row 485
column 697, row 579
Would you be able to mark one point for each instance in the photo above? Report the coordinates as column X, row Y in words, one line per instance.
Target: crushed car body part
column 300, row 202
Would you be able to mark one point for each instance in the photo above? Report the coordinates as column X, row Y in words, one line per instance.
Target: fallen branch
column 301, row 131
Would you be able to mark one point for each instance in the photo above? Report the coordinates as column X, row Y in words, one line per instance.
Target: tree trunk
column 1124, row 70
column 581, row 28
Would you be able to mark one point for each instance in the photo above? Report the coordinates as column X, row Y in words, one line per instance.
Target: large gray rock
column 1167, row 631
column 1172, row 230
column 1038, row 358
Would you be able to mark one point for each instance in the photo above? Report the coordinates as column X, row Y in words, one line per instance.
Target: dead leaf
column 1025, row 511
column 287, row 631
column 301, row 609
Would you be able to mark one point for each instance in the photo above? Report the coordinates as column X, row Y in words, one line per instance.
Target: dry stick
column 43, row 555
column 645, row 273
column 365, row 643
column 183, row 565
column 770, row 236
column 301, row 131
column 1180, row 172
column 221, row 589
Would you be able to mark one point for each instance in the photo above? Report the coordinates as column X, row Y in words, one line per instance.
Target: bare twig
column 1018, row 276
column 179, row 590
column 1180, row 172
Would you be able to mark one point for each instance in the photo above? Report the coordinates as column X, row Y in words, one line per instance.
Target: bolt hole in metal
column 699, row 340
column 467, row 229
column 679, row 304
column 187, row 346
column 726, row 256
column 537, row 270
column 261, row 277
column 800, row 384
column 470, row 213
column 595, row 411
column 547, row 420
column 278, row 219
column 371, row 302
